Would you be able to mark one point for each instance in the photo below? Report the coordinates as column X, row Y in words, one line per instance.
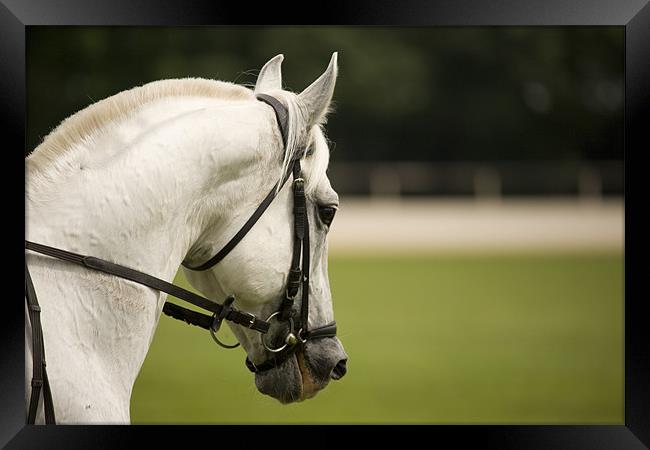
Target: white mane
column 85, row 123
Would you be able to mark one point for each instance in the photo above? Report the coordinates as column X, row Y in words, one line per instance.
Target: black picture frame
column 634, row 16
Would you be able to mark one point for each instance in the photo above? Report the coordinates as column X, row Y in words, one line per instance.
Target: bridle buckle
column 217, row 320
column 251, row 320
column 300, row 337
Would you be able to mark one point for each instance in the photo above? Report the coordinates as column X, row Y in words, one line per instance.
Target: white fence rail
column 426, row 224
column 491, row 180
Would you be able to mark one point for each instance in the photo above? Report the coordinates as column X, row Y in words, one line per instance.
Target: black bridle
column 298, row 279
column 298, row 332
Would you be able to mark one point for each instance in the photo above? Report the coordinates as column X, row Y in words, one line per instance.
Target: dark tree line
column 440, row 94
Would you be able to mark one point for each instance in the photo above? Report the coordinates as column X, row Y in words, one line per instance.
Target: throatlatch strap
column 282, row 117
column 232, row 243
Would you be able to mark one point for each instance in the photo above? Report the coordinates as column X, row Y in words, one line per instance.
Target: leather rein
column 298, row 332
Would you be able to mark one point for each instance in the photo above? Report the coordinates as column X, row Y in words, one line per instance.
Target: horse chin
column 290, row 382
column 284, row 383
column 304, row 374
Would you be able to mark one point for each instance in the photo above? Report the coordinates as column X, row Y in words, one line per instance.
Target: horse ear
column 270, row 77
column 317, row 96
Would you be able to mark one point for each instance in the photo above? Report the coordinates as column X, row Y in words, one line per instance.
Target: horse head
column 266, row 271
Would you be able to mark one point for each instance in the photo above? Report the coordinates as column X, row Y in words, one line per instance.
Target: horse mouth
column 310, row 387
column 290, row 382
column 305, row 373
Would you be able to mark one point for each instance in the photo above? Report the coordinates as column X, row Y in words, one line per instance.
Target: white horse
column 161, row 174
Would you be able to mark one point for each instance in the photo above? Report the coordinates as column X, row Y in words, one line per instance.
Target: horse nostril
column 340, row 369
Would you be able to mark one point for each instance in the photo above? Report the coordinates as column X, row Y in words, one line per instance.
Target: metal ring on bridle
column 213, row 333
column 300, row 338
column 287, row 339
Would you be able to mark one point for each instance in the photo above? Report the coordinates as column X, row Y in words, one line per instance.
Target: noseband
column 298, row 331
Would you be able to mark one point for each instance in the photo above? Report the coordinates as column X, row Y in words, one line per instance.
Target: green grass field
column 532, row 338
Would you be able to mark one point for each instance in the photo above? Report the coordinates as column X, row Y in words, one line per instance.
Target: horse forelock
column 300, row 136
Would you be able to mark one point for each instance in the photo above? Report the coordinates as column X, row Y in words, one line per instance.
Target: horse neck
column 148, row 188
column 142, row 207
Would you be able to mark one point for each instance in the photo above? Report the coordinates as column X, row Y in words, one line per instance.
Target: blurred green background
column 469, row 112
column 532, row 338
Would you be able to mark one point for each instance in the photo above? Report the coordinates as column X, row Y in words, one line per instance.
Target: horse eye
column 326, row 214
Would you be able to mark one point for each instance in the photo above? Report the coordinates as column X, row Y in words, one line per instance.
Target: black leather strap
column 48, row 404
column 328, row 330
column 243, row 231
column 232, row 243
column 187, row 315
column 298, row 277
column 39, row 373
column 294, row 278
column 306, row 270
column 281, row 114
column 277, row 359
column 239, row 317
column 218, row 318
